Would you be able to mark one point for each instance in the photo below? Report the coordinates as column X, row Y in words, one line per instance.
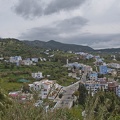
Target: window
column 45, row 89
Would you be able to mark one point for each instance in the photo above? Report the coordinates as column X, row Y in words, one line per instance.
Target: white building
column 114, row 65
column 1, row 58
column 96, row 85
column 37, row 75
column 27, row 62
column 118, row 91
column 92, row 85
column 15, row 59
column 34, row 60
column 45, row 87
column 35, row 86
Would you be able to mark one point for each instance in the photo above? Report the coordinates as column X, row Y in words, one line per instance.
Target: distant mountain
column 109, row 50
column 57, row 45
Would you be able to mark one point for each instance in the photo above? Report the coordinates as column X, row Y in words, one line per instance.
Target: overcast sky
column 95, row 23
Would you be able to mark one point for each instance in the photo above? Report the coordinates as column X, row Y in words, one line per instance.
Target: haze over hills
column 109, row 50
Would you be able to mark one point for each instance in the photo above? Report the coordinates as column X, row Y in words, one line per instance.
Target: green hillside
column 11, row 47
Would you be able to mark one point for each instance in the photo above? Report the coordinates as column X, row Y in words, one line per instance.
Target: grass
column 29, row 112
column 11, row 86
column 13, row 73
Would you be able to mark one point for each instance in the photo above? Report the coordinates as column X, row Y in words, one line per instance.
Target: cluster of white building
column 28, row 61
column 46, row 88
column 85, row 55
column 19, row 61
column 77, row 69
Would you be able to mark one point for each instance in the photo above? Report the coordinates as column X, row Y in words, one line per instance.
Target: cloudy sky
column 95, row 23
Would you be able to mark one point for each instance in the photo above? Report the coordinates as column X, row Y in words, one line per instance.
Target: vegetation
column 10, row 74
column 17, row 111
column 12, row 47
column 103, row 106
column 82, row 94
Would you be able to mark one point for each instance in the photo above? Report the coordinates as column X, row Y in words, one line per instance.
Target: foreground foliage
column 103, row 106
column 15, row 111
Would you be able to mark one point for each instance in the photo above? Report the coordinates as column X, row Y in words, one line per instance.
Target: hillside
column 57, row 45
column 11, row 47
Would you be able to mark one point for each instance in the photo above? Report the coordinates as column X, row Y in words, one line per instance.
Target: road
column 68, row 98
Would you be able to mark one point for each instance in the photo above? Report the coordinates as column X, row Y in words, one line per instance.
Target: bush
column 60, row 95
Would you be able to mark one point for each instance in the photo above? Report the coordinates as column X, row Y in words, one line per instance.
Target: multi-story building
column 44, row 87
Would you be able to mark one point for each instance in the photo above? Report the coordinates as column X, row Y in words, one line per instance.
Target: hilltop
column 58, row 45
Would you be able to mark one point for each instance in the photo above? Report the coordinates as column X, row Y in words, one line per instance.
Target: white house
column 1, row 58
column 44, row 59
column 15, row 59
column 45, row 87
column 36, row 86
column 37, row 75
column 118, row 90
column 34, row 60
column 27, row 62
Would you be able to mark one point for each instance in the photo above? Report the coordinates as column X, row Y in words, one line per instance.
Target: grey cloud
column 62, row 27
column 35, row 8
column 114, row 43
column 29, row 8
column 43, row 33
column 60, row 5
column 71, row 24
column 96, row 41
column 92, row 40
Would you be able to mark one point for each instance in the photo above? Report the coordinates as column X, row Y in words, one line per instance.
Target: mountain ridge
column 11, row 46
column 52, row 44
column 109, row 50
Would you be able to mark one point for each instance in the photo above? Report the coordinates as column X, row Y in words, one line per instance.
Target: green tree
column 82, row 94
